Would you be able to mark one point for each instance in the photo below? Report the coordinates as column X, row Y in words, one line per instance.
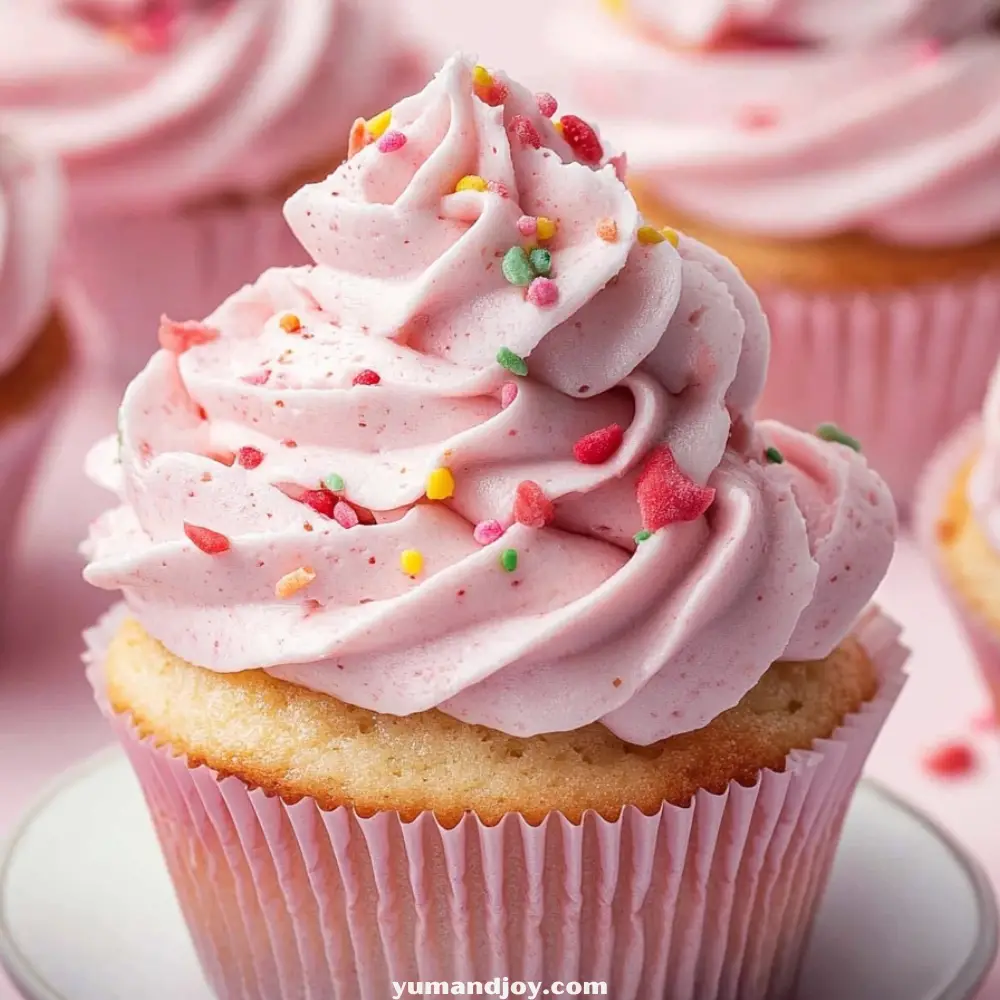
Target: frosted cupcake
column 33, row 349
column 847, row 158
column 183, row 127
column 460, row 587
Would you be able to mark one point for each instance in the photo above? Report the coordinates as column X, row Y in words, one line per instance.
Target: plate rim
column 968, row 979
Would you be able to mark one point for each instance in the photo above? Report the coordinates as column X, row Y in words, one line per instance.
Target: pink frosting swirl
column 30, row 215
column 227, row 101
column 669, row 344
column 897, row 139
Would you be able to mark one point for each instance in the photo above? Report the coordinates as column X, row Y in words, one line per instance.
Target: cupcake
column 847, row 159
column 472, row 628
column 183, row 127
column 34, row 354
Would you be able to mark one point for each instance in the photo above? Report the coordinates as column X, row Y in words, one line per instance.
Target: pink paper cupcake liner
column 938, row 479
column 711, row 901
column 899, row 369
column 123, row 273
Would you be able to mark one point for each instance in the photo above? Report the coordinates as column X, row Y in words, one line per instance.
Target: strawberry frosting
column 899, row 138
column 152, row 102
column 30, row 213
column 377, row 369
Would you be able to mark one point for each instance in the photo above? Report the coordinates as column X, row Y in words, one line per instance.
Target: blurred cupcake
column 458, row 577
column 847, row 158
column 33, row 350
column 183, row 126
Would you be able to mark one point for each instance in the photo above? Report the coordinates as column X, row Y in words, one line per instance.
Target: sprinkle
column 365, row 516
column 391, row 141
column 545, row 228
column 290, row 323
column 345, row 515
column 481, row 77
column 671, row 236
column 541, row 261
column 257, row 378
column 440, row 484
column 547, row 104
column 486, row 88
column 321, row 501
column 831, row 432
column 517, row 268
column 180, row 337
column 649, row 235
column 411, row 562
column 227, row 458
column 487, row 532
column 527, row 225
column 582, row 139
column 773, row 455
column 642, row 536
column 758, row 117
column 366, row 377
column 607, row 229
column 508, row 393
column 514, row 363
column 472, row 182
column 377, row 126
column 249, row 457
column 951, row 760
column 334, row 483
column 291, row 583
column 532, row 507
column 558, row 126
column 598, row 446
column 508, row 560
column 666, row 495
column 210, row 542
column 543, row 292
column 358, row 138
column 523, row 129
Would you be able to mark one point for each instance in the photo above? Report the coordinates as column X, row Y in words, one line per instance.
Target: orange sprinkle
column 291, row 583
column 607, row 229
column 290, row 323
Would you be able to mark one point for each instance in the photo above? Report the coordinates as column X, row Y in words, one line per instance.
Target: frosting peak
column 493, row 453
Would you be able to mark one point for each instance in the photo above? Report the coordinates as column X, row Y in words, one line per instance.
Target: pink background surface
column 48, row 721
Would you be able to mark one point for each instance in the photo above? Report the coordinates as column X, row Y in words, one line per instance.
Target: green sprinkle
column 508, row 559
column 541, row 262
column 517, row 268
column 642, row 536
column 334, row 483
column 831, row 432
column 773, row 455
column 514, row 363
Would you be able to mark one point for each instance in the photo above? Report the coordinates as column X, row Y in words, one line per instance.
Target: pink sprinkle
column 391, row 141
column 508, row 393
column 929, row 51
column 367, row 377
column 758, row 117
column 951, row 760
column 498, row 187
column 543, row 292
column 527, row 225
column 547, row 104
column 345, row 515
column 487, row 532
column 256, row 378
column 524, row 129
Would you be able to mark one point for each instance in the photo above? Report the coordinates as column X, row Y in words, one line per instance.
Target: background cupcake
column 847, row 158
column 182, row 127
column 33, row 348
column 456, row 572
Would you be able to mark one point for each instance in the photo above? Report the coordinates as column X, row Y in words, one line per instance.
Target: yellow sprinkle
column 440, row 484
column 291, row 583
column 671, row 236
column 481, row 77
column 545, row 229
column 607, row 229
column 379, row 124
column 471, row 182
column 411, row 562
column 615, row 6
column 558, row 126
column 290, row 323
column 647, row 234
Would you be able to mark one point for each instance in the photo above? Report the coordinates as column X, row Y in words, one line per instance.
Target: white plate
column 87, row 911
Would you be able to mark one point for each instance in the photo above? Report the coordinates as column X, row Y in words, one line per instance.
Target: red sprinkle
column 582, row 139
column 321, row 501
column 532, row 507
column 547, row 104
column 598, row 446
column 365, row 516
column 494, row 95
column 180, row 337
column 210, row 542
column 951, row 760
column 249, row 457
column 524, row 129
column 256, row 378
column 366, row 377
column 508, row 393
column 666, row 495
column 543, row 292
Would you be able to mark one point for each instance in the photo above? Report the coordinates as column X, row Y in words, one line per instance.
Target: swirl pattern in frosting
column 237, row 96
column 30, row 215
column 386, row 369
